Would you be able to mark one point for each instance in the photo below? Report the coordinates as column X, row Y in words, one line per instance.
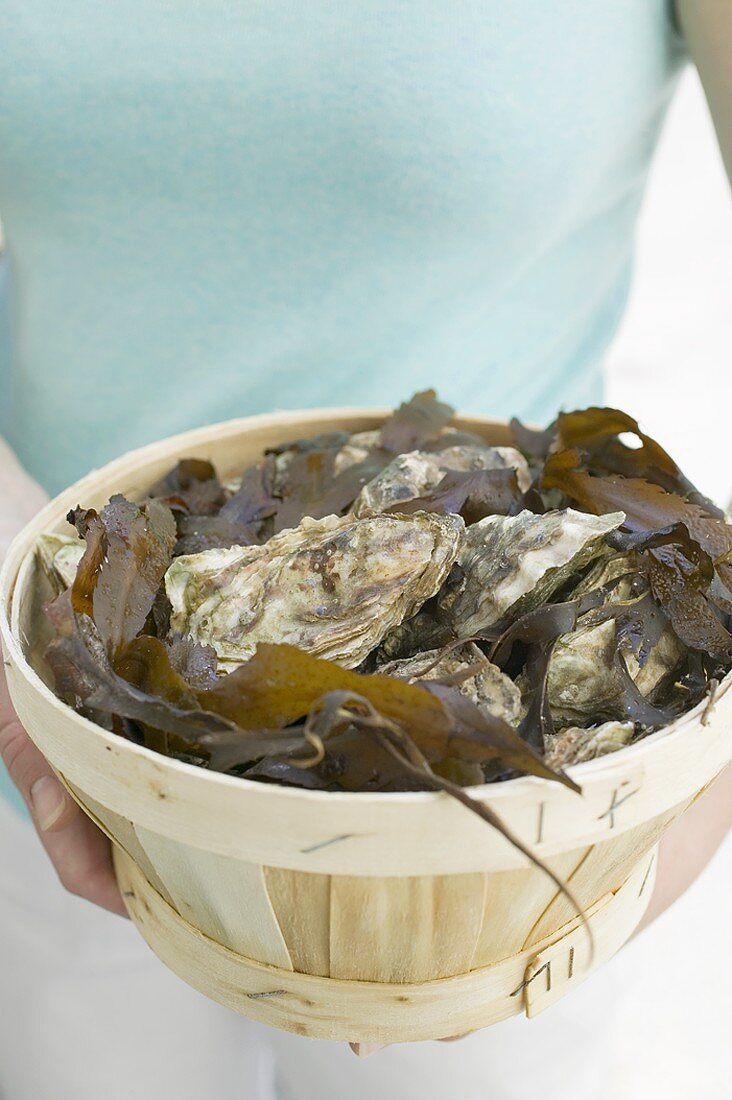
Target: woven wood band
column 376, row 1012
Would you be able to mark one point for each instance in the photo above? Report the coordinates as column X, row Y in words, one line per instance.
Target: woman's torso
column 213, row 209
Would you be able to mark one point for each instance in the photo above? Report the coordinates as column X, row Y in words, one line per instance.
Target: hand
column 79, row 851
column 363, row 1050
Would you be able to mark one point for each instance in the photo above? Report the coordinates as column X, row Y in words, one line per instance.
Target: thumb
column 49, row 802
column 79, row 851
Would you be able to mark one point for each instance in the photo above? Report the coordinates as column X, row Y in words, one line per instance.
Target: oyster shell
column 333, row 586
column 415, row 473
column 574, row 744
column 359, row 447
column 511, row 564
column 482, row 457
column 407, row 476
column 583, row 683
column 59, row 556
column 414, row 636
column 232, row 486
column 490, row 689
column 605, row 570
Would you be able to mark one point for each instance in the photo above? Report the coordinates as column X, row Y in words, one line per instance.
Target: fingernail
column 363, row 1050
column 48, row 799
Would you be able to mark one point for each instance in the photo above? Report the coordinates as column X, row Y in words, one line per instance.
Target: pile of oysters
column 403, row 607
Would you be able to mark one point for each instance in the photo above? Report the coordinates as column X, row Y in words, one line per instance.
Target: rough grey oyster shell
column 232, row 485
column 490, row 689
column 582, row 682
column 617, row 566
column 511, row 564
column 414, row 636
column 467, row 456
column 59, row 556
column 574, row 744
column 415, row 473
column 359, row 447
column 332, row 586
column 407, row 476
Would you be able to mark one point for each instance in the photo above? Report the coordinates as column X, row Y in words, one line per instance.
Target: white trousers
column 88, row 1013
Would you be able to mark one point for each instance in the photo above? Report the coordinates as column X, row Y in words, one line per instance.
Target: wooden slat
column 301, row 903
column 226, row 898
column 605, row 867
column 404, row 930
column 556, row 969
column 122, row 832
column 515, row 900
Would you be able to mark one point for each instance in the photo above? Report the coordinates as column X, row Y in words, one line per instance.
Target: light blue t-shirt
column 215, row 209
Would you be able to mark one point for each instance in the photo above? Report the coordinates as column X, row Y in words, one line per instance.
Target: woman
column 216, row 209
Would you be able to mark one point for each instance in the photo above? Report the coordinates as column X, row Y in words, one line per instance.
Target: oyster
column 511, row 564
column 583, row 683
column 423, row 631
column 333, row 586
column 618, row 567
column 413, row 474
column 407, row 476
column 490, row 689
column 574, row 744
column 482, row 457
column 232, row 486
column 59, row 556
column 357, row 449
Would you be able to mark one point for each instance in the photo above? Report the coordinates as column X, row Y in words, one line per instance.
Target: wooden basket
column 369, row 917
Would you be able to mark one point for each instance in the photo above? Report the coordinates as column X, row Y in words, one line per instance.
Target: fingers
column 82, row 857
column 363, row 1050
column 51, row 805
column 80, row 852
